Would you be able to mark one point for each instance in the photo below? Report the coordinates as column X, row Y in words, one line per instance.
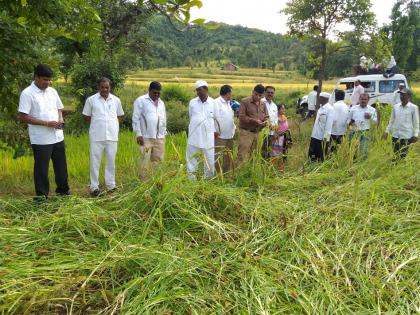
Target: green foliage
column 405, row 29
column 177, row 92
column 177, row 116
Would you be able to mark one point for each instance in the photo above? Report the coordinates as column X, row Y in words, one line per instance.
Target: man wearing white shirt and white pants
column 41, row 108
column 104, row 113
column 357, row 91
column 272, row 118
column 403, row 124
column 201, row 131
column 360, row 118
column 312, row 97
column 321, row 132
column 225, row 127
column 341, row 114
column 149, row 124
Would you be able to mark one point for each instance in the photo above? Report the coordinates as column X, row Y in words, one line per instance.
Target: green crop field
column 340, row 237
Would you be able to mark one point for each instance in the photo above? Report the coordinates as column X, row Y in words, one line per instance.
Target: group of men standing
column 332, row 122
column 211, row 128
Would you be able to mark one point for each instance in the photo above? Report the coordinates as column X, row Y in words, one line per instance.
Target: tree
column 405, row 30
column 317, row 22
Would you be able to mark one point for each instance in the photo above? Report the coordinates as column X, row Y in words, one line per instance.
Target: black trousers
column 400, row 147
column 336, row 140
column 317, row 149
column 42, row 156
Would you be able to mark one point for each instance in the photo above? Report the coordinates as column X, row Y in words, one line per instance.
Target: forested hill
column 242, row 46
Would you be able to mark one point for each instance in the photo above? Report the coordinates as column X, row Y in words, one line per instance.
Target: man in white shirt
column 312, row 98
column 403, row 124
column 225, row 127
column 41, row 108
column 357, row 91
column 201, row 131
column 360, row 118
column 321, row 131
column 341, row 114
column 149, row 124
column 273, row 119
column 396, row 99
column 104, row 113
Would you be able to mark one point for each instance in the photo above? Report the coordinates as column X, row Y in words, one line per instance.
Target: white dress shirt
column 357, row 91
column 312, row 100
column 44, row 105
column 202, row 125
column 357, row 113
column 341, row 115
column 224, row 116
column 104, row 124
column 404, row 122
column 323, row 123
column 396, row 98
column 149, row 118
column 272, row 114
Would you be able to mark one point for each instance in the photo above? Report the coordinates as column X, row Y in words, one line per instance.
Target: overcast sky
column 263, row 14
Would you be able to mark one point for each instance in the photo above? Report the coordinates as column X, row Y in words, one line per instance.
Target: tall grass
column 340, row 237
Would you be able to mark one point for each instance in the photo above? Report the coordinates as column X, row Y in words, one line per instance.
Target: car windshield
column 389, row 86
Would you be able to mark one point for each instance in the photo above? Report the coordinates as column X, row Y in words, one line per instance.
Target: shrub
column 177, row 116
column 176, row 93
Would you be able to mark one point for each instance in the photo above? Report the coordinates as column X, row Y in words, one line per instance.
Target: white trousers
column 192, row 161
column 97, row 149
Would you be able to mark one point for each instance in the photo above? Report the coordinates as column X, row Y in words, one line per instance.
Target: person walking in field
column 149, row 124
column 321, row 132
column 340, row 123
column 225, row 127
column 312, row 98
column 397, row 99
column 41, row 108
column 360, row 118
column 104, row 113
column 403, row 124
column 252, row 119
column 201, row 131
column 281, row 140
column 357, row 91
column 273, row 120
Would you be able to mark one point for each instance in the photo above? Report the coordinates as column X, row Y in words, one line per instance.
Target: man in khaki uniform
column 252, row 119
column 149, row 124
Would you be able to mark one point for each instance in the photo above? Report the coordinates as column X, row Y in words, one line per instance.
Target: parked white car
column 380, row 89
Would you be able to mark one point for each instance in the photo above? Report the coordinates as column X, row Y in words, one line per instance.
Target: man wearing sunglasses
column 149, row 124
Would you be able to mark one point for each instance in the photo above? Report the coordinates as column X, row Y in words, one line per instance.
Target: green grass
column 335, row 238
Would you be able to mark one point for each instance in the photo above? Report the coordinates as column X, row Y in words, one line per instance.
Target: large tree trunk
column 322, row 68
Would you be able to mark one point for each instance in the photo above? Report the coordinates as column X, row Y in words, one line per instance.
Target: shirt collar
column 37, row 89
column 149, row 98
column 110, row 97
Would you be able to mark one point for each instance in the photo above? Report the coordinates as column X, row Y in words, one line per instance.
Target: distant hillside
column 242, row 46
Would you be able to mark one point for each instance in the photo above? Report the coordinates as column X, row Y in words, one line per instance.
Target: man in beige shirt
column 253, row 117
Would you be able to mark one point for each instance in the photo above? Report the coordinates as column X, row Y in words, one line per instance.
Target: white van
column 380, row 89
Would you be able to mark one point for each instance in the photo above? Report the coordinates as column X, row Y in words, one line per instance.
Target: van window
column 389, row 86
column 370, row 86
column 346, row 86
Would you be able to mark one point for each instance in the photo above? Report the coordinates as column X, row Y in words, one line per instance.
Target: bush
column 176, row 93
column 177, row 116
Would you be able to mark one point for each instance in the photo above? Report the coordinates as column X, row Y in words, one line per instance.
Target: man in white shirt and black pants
column 225, row 127
column 341, row 114
column 321, row 132
column 360, row 118
column 403, row 124
column 41, row 108
column 149, row 124
column 312, row 98
column 201, row 131
column 104, row 113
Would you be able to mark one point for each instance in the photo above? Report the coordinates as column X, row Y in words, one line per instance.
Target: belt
column 253, row 131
